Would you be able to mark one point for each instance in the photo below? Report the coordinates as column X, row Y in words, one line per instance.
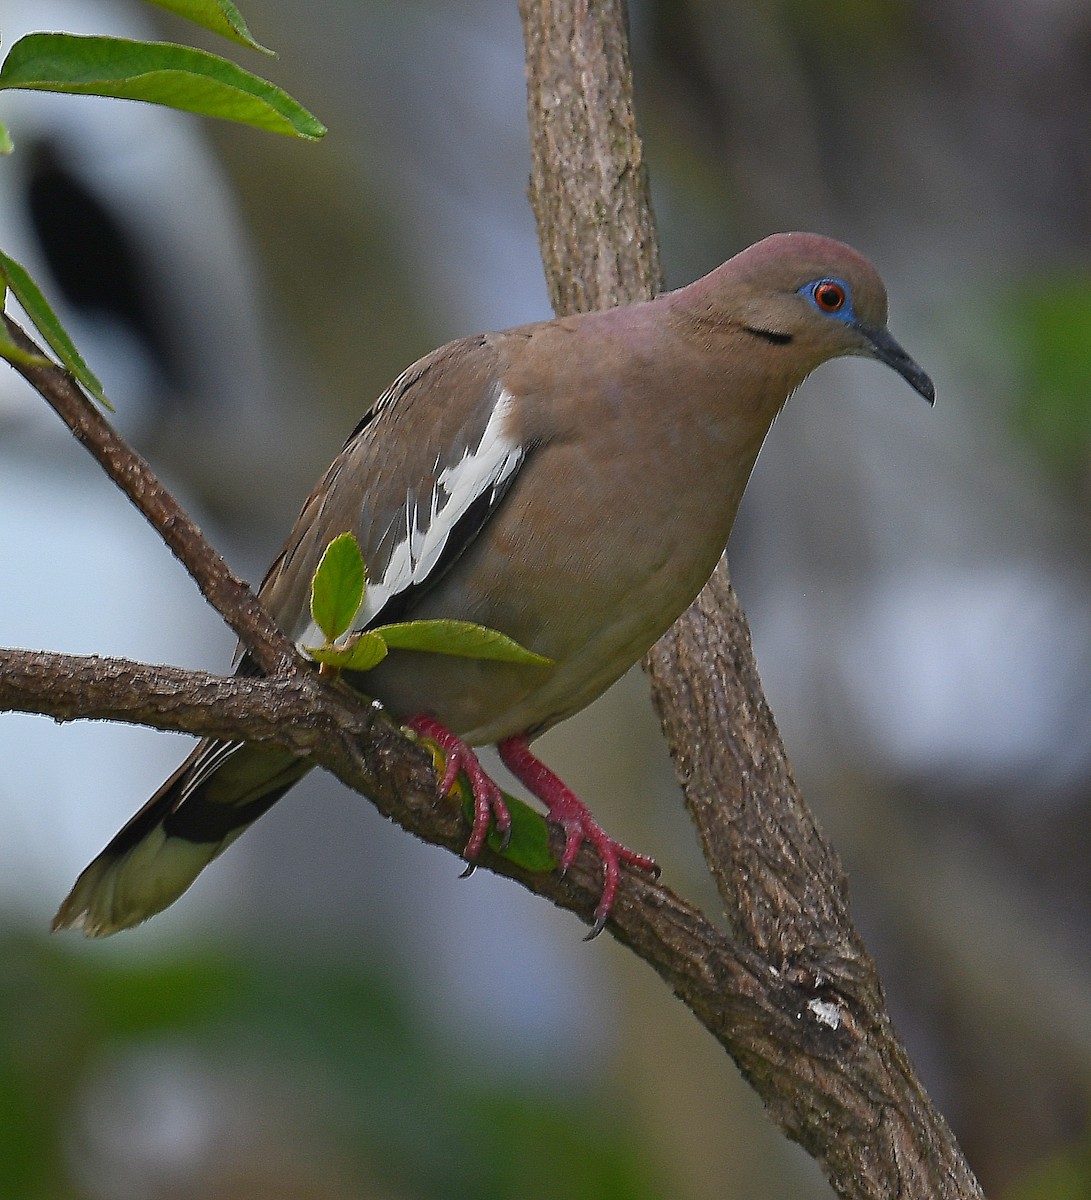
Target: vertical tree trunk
column 822, row 1052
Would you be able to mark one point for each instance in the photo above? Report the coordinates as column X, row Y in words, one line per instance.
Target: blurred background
column 330, row 1012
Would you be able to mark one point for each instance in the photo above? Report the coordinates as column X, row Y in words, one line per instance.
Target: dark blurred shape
column 93, row 257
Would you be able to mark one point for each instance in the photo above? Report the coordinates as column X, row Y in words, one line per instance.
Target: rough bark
column 806, row 1019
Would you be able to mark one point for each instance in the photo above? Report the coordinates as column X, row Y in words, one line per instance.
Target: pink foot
column 573, row 816
column 488, row 798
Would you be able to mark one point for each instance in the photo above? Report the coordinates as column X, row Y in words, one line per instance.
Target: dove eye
column 829, row 296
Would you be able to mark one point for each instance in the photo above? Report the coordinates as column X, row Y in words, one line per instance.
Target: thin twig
column 230, row 596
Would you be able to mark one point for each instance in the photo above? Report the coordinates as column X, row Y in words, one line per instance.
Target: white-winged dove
column 571, row 483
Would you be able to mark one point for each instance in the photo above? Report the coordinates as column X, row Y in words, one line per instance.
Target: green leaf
column 16, row 354
column 462, row 638
column 158, row 72
column 6, row 146
column 529, row 844
column 360, row 652
column 337, row 589
column 8, row 348
column 221, row 16
column 37, row 308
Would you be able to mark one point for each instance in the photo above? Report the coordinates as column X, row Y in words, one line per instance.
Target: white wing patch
column 487, row 467
column 205, row 767
column 424, row 529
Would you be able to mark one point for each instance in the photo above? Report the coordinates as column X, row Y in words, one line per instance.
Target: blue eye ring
column 830, row 297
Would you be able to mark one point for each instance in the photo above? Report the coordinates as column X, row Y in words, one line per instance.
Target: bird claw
column 597, row 927
column 568, row 811
column 565, row 809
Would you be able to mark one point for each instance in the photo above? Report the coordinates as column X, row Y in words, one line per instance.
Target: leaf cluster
column 181, row 77
column 338, row 590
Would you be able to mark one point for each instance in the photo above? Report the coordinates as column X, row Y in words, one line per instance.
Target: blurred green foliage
column 405, row 1114
column 862, row 24
column 1064, row 1176
column 1049, row 323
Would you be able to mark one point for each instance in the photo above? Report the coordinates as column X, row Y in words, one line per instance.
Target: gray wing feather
column 416, row 482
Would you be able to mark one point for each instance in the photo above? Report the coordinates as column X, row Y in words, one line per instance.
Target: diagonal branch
column 231, row 598
column 729, row 989
column 69, row 687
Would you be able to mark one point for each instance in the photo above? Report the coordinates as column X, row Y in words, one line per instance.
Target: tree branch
column 71, row 687
column 726, row 988
column 230, row 596
column 820, row 1048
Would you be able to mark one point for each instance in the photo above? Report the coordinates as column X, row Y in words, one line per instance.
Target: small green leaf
column 6, row 146
column 361, row 652
column 16, row 354
column 221, row 16
column 8, row 348
column 462, row 638
column 37, row 308
column 337, row 589
column 529, row 844
column 158, row 72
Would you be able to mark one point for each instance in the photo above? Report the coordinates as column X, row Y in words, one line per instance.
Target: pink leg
column 488, row 798
column 573, row 816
